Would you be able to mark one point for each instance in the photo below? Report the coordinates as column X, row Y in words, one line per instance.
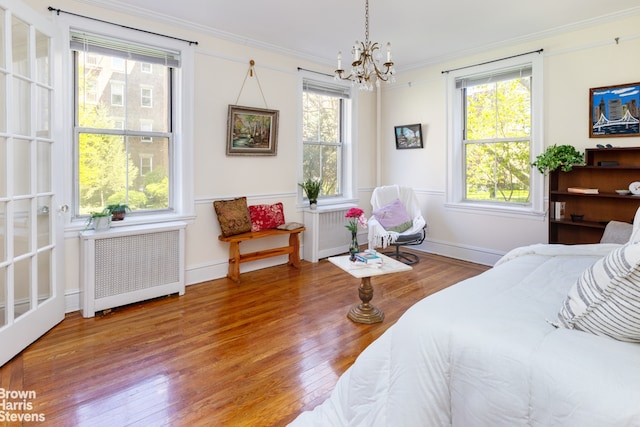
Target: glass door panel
column 44, row 167
column 44, row 221
column 21, row 167
column 22, row 287
column 21, row 107
column 21, row 227
column 44, row 276
column 20, row 47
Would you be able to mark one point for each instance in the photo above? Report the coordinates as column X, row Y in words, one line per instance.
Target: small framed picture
column 408, row 136
column 252, row 131
column 614, row 111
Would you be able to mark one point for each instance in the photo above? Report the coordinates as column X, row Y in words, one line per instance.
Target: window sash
column 94, row 43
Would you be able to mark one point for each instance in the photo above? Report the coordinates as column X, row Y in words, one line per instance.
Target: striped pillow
column 606, row 298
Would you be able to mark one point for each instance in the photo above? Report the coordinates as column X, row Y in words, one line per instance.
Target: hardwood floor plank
column 255, row 353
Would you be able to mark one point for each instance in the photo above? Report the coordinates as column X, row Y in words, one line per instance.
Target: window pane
column 21, row 173
column 129, row 162
column 498, row 172
column 42, row 58
column 321, row 118
column 110, row 172
column 110, row 99
column 499, row 110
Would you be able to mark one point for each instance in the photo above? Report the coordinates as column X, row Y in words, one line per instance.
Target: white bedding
column 482, row 353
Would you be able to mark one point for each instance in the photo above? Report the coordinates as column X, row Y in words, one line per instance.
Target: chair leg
column 404, row 257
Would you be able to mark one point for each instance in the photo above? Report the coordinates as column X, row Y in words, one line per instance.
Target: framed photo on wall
column 408, row 136
column 614, row 111
column 252, row 131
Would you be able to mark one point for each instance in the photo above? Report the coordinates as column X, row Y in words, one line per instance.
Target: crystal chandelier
column 365, row 68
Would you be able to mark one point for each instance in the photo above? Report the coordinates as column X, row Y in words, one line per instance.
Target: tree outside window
column 497, row 138
column 323, row 133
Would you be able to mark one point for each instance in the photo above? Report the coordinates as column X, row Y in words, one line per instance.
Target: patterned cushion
column 393, row 217
column 266, row 216
column 606, row 298
column 233, row 216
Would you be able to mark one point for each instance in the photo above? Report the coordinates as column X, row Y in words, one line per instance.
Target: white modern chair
column 379, row 237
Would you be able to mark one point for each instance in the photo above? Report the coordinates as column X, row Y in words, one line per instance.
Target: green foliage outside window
column 322, row 141
column 497, row 141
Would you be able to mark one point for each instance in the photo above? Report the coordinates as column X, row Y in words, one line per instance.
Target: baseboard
column 478, row 255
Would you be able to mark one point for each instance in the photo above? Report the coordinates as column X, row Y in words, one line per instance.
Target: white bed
column 484, row 353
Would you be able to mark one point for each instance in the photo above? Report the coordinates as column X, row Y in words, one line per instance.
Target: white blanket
column 482, row 353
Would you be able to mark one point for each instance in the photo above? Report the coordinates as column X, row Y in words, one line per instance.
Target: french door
column 31, row 289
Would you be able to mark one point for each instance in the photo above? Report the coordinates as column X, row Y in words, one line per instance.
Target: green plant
column 95, row 216
column 118, row 211
column 117, row 207
column 558, row 156
column 312, row 189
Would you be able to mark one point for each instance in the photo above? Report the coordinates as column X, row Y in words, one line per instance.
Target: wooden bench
column 236, row 258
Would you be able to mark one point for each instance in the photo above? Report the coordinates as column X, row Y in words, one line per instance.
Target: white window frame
column 456, row 162
column 349, row 124
column 183, row 112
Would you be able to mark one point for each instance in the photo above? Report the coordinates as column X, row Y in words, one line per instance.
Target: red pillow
column 266, row 216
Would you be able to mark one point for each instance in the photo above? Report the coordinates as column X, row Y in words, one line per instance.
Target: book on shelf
column 368, row 258
column 557, row 210
column 582, row 190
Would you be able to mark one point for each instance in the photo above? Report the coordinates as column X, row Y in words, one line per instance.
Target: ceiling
column 420, row 31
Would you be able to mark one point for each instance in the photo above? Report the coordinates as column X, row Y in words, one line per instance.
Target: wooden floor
column 225, row 354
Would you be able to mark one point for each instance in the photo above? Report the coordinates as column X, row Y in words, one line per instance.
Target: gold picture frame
column 252, row 131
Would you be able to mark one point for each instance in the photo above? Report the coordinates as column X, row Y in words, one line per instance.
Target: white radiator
column 129, row 264
column 325, row 233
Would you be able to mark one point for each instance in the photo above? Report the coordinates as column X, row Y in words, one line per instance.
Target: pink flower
column 356, row 216
column 354, row 213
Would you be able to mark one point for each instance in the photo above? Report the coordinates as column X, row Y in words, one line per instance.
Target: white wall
column 573, row 63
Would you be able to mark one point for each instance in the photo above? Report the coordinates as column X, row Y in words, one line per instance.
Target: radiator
column 325, row 233
column 130, row 264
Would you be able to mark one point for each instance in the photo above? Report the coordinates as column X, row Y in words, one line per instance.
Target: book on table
column 582, row 190
column 368, row 258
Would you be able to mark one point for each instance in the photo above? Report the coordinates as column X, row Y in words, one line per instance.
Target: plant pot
column 118, row 215
column 313, row 205
column 101, row 223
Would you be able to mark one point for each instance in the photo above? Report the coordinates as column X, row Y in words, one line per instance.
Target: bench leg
column 234, row 262
column 294, row 256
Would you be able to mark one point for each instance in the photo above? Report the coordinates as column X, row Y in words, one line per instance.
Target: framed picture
column 252, row 131
column 408, row 136
column 614, row 111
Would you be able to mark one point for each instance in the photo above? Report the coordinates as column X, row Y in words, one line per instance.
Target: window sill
column 78, row 225
column 496, row 210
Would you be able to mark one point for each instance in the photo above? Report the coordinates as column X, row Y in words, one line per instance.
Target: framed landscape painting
column 408, row 136
column 614, row 111
column 252, row 131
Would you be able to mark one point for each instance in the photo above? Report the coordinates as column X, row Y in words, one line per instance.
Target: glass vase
column 354, row 248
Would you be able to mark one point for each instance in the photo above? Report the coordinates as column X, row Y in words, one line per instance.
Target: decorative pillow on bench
column 264, row 217
column 233, row 216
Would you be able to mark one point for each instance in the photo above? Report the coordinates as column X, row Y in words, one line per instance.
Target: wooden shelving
column 598, row 209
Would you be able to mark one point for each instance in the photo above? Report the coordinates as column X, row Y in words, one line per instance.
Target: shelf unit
column 598, row 209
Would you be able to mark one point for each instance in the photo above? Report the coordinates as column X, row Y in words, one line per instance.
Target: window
column 146, row 97
column 123, row 151
column 117, row 92
column 494, row 135
column 145, row 67
column 326, row 134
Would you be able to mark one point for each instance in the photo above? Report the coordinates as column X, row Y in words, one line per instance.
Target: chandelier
column 366, row 68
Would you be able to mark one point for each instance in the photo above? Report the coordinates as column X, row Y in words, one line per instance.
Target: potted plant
column 558, row 156
column 118, row 211
column 312, row 187
column 99, row 221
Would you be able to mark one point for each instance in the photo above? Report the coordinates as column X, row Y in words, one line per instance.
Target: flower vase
column 354, row 248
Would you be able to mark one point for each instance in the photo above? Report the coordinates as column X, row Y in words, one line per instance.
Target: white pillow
column 606, row 298
column 617, row 232
column 635, row 234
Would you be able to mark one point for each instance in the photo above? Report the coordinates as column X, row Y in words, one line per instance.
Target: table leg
column 365, row 312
